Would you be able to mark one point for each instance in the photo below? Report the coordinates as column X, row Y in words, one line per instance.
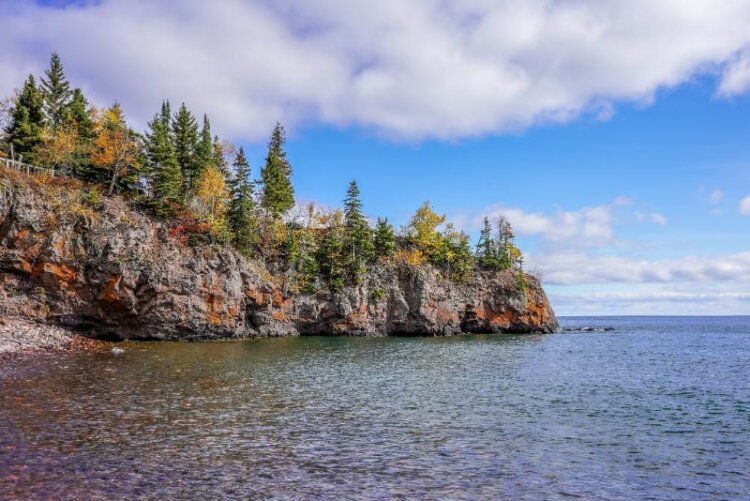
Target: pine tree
column 185, row 136
column 77, row 113
column 24, row 132
column 278, row 193
column 56, row 91
column 357, row 235
column 204, row 152
column 487, row 251
column 166, row 176
column 77, row 119
column 385, row 239
column 220, row 158
column 242, row 219
column 331, row 255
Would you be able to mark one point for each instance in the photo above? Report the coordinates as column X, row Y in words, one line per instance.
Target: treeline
column 178, row 169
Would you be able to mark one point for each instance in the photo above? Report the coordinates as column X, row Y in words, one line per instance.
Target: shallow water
column 658, row 408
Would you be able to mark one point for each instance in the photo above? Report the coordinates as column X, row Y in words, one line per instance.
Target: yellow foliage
column 114, row 148
column 58, row 148
column 212, row 196
column 411, row 257
column 422, row 229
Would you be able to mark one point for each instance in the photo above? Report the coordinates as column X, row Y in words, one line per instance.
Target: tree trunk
column 112, row 183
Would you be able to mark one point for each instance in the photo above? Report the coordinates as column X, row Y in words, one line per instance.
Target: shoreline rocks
column 114, row 273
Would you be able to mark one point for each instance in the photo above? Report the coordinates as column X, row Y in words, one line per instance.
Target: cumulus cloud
column 586, row 227
column 653, row 217
column 715, row 196
column 410, row 70
column 745, row 206
column 576, row 268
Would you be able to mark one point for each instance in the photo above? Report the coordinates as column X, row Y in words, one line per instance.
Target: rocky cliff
column 109, row 271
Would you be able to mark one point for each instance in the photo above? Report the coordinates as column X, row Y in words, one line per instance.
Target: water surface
column 657, row 408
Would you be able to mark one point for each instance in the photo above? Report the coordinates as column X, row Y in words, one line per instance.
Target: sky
column 615, row 136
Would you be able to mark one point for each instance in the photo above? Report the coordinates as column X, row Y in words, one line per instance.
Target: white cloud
column 653, row 217
column 736, row 77
column 576, row 268
column 715, row 196
column 412, row 70
column 586, row 227
column 745, row 206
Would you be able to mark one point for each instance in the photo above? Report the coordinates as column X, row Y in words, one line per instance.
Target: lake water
column 657, row 408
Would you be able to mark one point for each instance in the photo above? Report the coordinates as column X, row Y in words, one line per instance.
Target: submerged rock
column 117, row 273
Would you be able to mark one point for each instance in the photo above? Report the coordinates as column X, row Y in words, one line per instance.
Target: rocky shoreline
column 110, row 272
column 18, row 335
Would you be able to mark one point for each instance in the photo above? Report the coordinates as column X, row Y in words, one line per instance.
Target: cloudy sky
column 615, row 135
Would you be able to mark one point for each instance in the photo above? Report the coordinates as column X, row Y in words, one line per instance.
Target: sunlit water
column 658, row 408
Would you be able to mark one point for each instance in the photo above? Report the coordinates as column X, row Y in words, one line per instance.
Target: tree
column 185, row 136
column 56, row 91
column 58, row 149
column 166, row 176
column 278, row 193
column 211, row 194
column 453, row 253
column 331, row 253
column 509, row 256
column 78, row 113
column 242, row 219
column 357, row 235
column 27, row 120
column 385, row 239
column 422, row 229
column 204, row 151
column 116, row 148
column 222, row 151
column 487, row 249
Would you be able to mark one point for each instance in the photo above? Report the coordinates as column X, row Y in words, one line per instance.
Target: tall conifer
column 278, row 193
column 185, row 135
column 242, row 206
column 24, row 132
column 56, row 91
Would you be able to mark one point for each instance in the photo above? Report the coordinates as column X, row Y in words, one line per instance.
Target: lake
column 657, row 408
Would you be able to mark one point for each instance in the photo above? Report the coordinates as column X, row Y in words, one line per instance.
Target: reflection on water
column 659, row 407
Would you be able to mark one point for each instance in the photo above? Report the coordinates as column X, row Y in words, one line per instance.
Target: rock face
column 114, row 272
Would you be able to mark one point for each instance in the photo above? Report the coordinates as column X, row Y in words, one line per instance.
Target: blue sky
column 616, row 138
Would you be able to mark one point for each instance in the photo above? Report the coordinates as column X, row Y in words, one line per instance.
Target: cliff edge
column 112, row 272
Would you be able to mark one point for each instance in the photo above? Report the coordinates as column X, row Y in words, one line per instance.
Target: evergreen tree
column 331, row 256
column 509, row 256
column 278, row 193
column 385, row 239
column 204, row 152
column 77, row 114
column 242, row 219
column 77, row 120
column 220, row 158
column 185, row 136
column 487, row 250
column 166, row 176
column 24, row 132
column 357, row 235
column 56, row 91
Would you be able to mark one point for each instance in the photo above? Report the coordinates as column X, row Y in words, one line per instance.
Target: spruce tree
column 164, row 170
column 185, row 136
column 56, row 91
column 220, row 158
column 384, row 240
column 204, row 152
column 357, row 235
column 24, row 132
column 331, row 257
column 242, row 206
column 78, row 118
column 278, row 193
column 487, row 250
